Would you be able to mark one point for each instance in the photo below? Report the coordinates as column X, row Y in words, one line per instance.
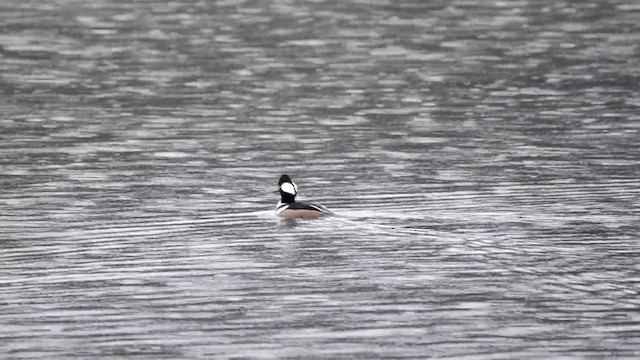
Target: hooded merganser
column 289, row 208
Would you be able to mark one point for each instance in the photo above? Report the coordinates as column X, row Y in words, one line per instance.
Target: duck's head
column 288, row 189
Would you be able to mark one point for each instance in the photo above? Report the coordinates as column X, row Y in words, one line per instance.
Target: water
column 485, row 157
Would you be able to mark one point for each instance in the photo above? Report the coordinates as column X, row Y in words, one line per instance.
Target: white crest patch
column 289, row 188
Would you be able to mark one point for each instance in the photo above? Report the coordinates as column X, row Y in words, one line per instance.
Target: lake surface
column 484, row 156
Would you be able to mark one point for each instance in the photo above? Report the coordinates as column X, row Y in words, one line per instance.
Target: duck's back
column 298, row 209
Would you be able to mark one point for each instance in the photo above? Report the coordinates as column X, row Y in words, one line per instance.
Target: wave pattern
column 484, row 158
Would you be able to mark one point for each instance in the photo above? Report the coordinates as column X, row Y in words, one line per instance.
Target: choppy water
column 485, row 156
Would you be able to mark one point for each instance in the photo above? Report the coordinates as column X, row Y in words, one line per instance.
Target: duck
column 289, row 208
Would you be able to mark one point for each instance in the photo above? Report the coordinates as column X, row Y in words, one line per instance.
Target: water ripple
column 483, row 158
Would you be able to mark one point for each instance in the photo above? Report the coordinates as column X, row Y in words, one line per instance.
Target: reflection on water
column 484, row 156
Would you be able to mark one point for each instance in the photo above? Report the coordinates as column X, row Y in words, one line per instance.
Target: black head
column 288, row 189
column 283, row 179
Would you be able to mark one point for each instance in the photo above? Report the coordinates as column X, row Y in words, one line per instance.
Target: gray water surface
column 484, row 156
